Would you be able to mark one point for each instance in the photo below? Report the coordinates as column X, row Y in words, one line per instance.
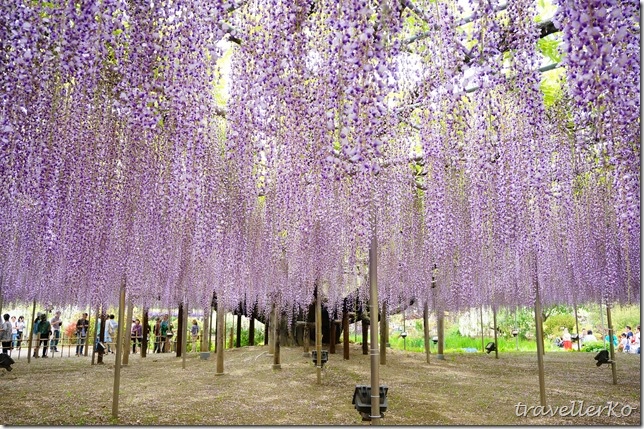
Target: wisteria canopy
column 244, row 148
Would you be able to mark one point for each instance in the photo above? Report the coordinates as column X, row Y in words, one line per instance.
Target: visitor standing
column 157, row 336
column 56, row 323
column 44, row 328
column 14, row 332
column 82, row 328
column 567, row 340
column 36, row 335
column 20, row 328
column 194, row 332
column 111, row 326
column 164, row 333
column 5, row 334
column 137, row 334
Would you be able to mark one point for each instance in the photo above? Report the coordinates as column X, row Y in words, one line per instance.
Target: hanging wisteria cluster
column 120, row 167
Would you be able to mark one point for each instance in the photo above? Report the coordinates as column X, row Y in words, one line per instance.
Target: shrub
column 555, row 323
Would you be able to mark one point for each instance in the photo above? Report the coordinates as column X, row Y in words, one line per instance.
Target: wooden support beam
column 345, row 334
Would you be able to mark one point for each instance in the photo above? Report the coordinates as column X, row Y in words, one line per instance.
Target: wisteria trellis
column 116, row 164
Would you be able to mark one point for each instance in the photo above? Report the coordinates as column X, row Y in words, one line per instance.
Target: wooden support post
column 184, row 334
column 276, row 335
column 306, row 338
column 577, row 327
column 209, row 342
column 331, row 335
column 266, row 329
column 205, row 332
column 251, row 331
column 345, row 334
column 180, row 329
column 126, row 338
column 146, row 333
column 89, row 318
column 232, row 328
column 539, row 329
column 119, row 353
column 611, row 346
column 496, row 341
column 31, row 331
column 482, row 333
column 238, row 337
column 101, row 338
column 440, row 326
column 426, row 330
column 383, row 335
column 373, row 313
column 271, row 339
column 96, row 337
column 221, row 333
column 318, row 332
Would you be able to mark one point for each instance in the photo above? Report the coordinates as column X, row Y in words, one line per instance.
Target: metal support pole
column 119, row 353
column 373, row 313
column 611, row 344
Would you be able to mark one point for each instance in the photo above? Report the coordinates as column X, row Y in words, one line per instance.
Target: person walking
column 5, row 334
column 20, row 328
column 137, row 334
column 157, row 336
column 44, row 328
column 36, row 335
column 14, row 332
column 111, row 326
column 164, row 334
column 56, row 323
column 82, row 328
column 194, row 332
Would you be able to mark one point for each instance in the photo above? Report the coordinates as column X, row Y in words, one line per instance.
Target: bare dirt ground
column 463, row 389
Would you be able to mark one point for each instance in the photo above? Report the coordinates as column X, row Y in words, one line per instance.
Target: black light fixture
column 435, row 339
column 362, row 400
column 603, row 357
column 490, row 347
column 324, row 358
column 515, row 332
column 6, row 361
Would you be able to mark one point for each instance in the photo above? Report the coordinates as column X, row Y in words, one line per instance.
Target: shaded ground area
column 471, row 389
